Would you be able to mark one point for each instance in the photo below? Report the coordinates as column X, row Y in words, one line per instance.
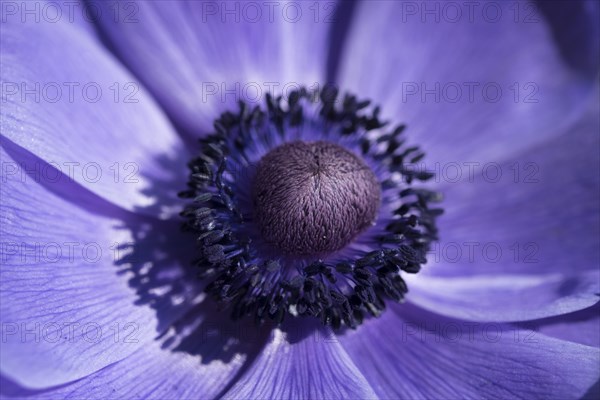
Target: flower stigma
column 310, row 206
column 313, row 197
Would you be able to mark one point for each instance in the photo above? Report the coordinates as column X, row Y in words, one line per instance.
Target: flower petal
column 472, row 81
column 523, row 246
column 302, row 363
column 535, row 213
column 69, row 102
column 200, row 57
column 576, row 29
column 409, row 353
column 149, row 373
column 66, row 309
column 506, row 297
column 579, row 327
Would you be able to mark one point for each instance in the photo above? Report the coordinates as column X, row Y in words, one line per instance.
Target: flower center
column 313, row 197
column 292, row 240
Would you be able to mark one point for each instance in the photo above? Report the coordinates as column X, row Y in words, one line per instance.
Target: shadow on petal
column 161, row 259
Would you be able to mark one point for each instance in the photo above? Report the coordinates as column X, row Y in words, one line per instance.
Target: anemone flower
column 392, row 199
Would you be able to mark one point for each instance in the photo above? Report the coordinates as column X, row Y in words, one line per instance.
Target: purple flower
column 102, row 108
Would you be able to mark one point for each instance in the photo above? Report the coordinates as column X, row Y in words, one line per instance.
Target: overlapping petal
column 538, row 262
column 579, row 327
column 149, row 373
column 537, row 212
column 473, row 81
column 506, row 297
column 67, row 100
column 66, row 309
column 207, row 55
column 409, row 353
column 301, row 362
column 72, row 309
